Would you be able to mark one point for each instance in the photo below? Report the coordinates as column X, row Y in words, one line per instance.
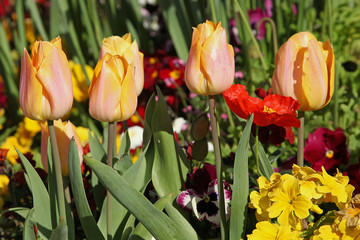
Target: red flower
column 274, row 109
column 353, row 172
column 327, row 148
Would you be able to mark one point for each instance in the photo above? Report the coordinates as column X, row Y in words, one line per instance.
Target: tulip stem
column 257, row 150
column 58, row 174
column 108, row 194
column 300, row 146
column 215, row 137
column 213, row 12
column 274, row 34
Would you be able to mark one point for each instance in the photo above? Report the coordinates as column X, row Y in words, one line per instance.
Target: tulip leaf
column 28, row 231
column 264, row 163
column 22, row 211
column 40, row 198
column 35, row 16
column 149, row 110
column 140, row 231
column 20, row 22
column 52, row 188
column 60, row 232
column 240, row 189
column 160, row 225
column 87, row 220
column 125, row 145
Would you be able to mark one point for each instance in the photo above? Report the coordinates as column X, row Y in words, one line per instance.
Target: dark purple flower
column 269, row 7
column 327, row 148
column 255, row 16
column 353, row 172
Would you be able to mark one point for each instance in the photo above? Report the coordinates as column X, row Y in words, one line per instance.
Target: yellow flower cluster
column 290, row 198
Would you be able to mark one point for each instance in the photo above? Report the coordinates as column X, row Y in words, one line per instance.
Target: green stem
column 257, row 150
column 108, row 194
column 300, row 146
column 300, row 16
column 213, row 11
column 273, row 28
column 57, row 165
column 329, row 15
column 336, row 94
column 215, row 137
column 248, row 29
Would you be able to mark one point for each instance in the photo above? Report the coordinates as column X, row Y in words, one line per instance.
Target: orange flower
column 210, row 67
column 305, row 71
column 112, row 93
column 123, row 46
column 64, row 132
column 45, row 82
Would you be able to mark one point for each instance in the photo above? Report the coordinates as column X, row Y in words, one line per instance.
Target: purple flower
column 255, row 16
column 269, row 7
column 201, row 195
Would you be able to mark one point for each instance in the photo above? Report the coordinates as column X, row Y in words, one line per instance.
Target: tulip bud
column 64, row 132
column 45, row 82
column 304, row 70
column 210, row 67
column 123, row 46
column 112, row 93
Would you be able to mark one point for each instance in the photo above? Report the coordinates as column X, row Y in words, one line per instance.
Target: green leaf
column 60, row 232
column 125, row 145
column 140, row 231
column 52, row 188
column 28, row 232
column 22, row 211
column 160, row 225
column 240, row 189
column 149, row 110
column 20, row 26
column 35, row 16
column 40, row 198
column 264, row 163
column 87, row 220
column 123, row 164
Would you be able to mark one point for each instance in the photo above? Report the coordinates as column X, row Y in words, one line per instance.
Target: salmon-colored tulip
column 45, row 82
column 305, row 71
column 210, row 67
column 123, row 46
column 64, row 132
column 112, row 93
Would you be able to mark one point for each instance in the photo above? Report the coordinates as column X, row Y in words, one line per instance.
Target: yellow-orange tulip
column 112, row 93
column 64, row 132
column 123, row 46
column 305, row 71
column 45, row 82
column 210, row 67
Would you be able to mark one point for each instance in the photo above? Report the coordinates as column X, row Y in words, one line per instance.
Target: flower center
column 206, row 198
column 175, row 74
column 268, row 110
column 329, row 153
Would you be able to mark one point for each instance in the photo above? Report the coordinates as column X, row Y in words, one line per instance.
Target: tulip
column 210, row 67
column 112, row 93
column 305, row 71
column 123, row 46
column 45, row 82
column 64, row 131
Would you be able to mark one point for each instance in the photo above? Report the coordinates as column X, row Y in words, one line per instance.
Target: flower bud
column 112, row 93
column 64, row 132
column 123, row 46
column 304, row 70
column 46, row 91
column 210, row 67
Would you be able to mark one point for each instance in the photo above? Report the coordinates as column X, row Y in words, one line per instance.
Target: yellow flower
column 12, row 142
column 83, row 134
column 32, row 126
column 270, row 231
column 80, row 86
column 289, row 206
column 4, row 182
column 325, row 232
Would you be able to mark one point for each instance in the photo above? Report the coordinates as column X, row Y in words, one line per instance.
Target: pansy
column 326, row 148
column 274, row 109
column 201, row 195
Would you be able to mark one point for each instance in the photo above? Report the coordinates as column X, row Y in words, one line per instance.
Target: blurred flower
column 269, row 7
column 274, row 109
column 326, row 148
column 201, row 196
column 112, row 93
column 129, row 51
column 45, row 82
column 4, row 7
column 255, row 17
column 64, row 132
column 274, row 134
column 4, row 181
column 210, row 66
column 325, row 232
column 173, row 76
column 179, row 124
column 353, row 172
column 135, row 134
column 305, row 71
column 80, row 86
column 271, row 231
column 83, row 134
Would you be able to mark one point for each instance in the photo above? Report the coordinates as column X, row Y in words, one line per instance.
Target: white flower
column 179, row 124
column 136, row 136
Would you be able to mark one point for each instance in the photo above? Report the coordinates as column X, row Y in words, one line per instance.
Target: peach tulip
column 46, row 91
column 123, row 46
column 304, row 70
column 112, row 93
column 64, row 132
column 210, row 67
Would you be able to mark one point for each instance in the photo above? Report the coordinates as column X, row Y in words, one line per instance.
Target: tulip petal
column 132, row 55
column 54, row 74
column 330, row 67
column 128, row 101
column 194, row 77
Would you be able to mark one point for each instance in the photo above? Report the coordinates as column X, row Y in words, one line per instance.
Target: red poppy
column 274, row 109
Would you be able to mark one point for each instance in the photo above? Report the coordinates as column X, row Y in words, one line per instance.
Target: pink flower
column 255, row 16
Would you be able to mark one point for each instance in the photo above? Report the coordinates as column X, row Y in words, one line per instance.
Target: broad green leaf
column 40, row 198
column 149, row 110
column 22, row 211
column 55, row 18
column 52, row 188
column 160, row 225
column 240, row 189
column 94, row 16
column 123, row 164
column 60, row 232
column 70, row 225
column 87, row 220
column 140, row 231
column 20, row 27
column 125, row 145
column 264, row 163
column 28, row 232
